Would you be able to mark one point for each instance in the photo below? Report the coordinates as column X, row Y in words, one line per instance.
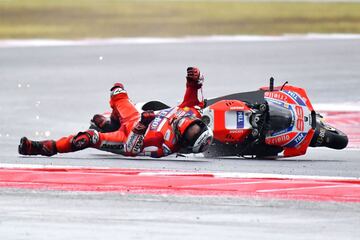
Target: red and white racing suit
column 159, row 140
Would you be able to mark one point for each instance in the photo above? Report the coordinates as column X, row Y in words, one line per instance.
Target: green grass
column 113, row 18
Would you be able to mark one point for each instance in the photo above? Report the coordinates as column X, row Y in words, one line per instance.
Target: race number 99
column 300, row 118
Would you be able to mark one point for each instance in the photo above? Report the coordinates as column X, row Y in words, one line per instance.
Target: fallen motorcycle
column 269, row 122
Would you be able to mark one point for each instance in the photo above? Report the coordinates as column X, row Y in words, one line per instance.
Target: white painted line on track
column 306, row 188
column 352, row 149
column 337, row 107
column 186, row 39
column 30, row 166
column 234, row 183
column 280, row 176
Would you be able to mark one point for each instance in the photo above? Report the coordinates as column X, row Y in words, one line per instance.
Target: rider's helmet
column 193, row 134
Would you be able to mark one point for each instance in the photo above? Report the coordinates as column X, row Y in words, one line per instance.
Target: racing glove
column 193, row 77
column 142, row 125
column 103, row 124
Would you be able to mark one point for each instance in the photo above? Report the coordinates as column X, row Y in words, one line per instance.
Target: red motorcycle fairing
column 296, row 138
column 229, row 120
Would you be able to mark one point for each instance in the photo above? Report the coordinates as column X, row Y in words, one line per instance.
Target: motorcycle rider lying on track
column 130, row 133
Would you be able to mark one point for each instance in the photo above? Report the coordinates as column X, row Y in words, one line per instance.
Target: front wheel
column 328, row 136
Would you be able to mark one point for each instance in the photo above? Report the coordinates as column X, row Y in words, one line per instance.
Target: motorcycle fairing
column 296, row 138
column 229, row 120
column 300, row 94
column 251, row 97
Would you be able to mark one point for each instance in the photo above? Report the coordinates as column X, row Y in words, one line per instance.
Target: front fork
column 318, row 125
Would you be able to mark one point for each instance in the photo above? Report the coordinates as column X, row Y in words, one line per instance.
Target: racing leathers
column 143, row 134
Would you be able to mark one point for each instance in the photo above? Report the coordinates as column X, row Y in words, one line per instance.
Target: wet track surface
column 56, row 90
column 59, row 215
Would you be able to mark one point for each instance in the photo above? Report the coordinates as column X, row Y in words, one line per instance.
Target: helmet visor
column 192, row 133
column 197, row 137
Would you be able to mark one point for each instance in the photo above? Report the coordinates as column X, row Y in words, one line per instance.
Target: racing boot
column 29, row 147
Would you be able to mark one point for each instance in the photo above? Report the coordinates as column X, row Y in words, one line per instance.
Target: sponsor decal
column 159, row 118
column 297, row 140
column 131, row 140
column 276, row 95
column 240, row 119
column 113, row 146
column 138, row 144
column 184, row 113
column 279, row 140
column 237, row 108
column 292, row 94
column 155, row 123
column 236, row 131
column 282, row 132
column 321, row 136
column 134, row 143
column 279, row 103
column 296, row 97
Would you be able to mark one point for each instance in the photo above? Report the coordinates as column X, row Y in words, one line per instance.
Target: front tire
column 336, row 138
column 328, row 136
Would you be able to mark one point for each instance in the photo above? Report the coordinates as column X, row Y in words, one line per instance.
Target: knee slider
column 84, row 140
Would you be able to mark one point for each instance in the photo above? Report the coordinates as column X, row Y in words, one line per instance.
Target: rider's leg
column 45, row 148
column 72, row 143
column 122, row 111
column 122, row 107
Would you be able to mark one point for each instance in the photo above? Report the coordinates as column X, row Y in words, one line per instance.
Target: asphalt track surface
column 54, row 91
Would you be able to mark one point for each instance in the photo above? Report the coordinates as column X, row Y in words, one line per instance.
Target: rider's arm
column 155, row 147
column 135, row 140
column 155, row 152
column 193, row 84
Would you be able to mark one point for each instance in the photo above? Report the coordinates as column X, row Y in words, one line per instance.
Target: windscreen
column 280, row 118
